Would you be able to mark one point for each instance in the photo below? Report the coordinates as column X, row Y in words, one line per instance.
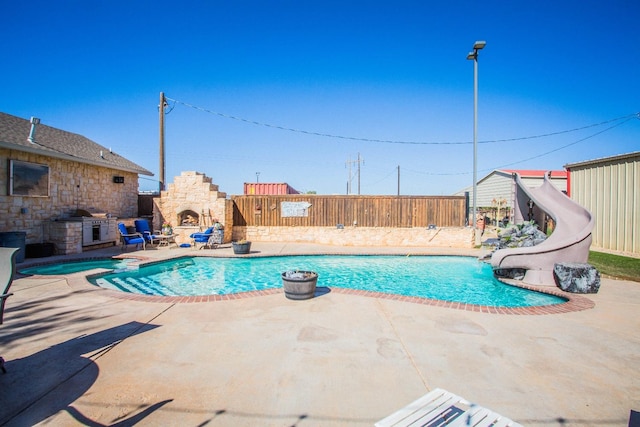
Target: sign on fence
column 289, row 209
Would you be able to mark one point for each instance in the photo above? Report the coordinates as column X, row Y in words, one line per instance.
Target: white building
column 496, row 190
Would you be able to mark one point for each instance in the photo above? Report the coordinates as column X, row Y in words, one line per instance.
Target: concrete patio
column 77, row 355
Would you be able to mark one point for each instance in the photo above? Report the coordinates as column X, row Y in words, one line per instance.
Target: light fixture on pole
column 162, row 168
column 474, row 57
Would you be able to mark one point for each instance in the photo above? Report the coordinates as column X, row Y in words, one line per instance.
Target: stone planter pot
column 299, row 285
column 241, row 248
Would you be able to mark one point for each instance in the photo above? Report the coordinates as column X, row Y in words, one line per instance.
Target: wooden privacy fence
column 363, row 211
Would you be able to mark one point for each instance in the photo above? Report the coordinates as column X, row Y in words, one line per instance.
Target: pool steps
column 143, row 285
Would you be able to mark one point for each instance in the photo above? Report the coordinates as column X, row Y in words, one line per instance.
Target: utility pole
column 161, row 170
column 398, row 180
column 349, row 163
column 359, row 159
column 257, row 177
column 349, row 176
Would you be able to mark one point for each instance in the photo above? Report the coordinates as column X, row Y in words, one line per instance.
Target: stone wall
column 71, row 186
column 449, row 237
column 192, row 191
column 65, row 235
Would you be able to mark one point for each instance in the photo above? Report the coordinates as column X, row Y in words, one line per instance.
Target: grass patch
column 621, row 267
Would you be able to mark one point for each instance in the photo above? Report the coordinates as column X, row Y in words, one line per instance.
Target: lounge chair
column 142, row 227
column 130, row 238
column 7, row 267
column 215, row 239
column 201, row 238
column 440, row 407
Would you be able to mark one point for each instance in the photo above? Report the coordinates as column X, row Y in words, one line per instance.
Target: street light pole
column 162, row 168
column 474, row 57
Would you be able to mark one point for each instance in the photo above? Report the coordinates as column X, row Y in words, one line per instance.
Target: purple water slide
column 569, row 242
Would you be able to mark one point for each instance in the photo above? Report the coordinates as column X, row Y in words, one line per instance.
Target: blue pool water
column 75, row 267
column 449, row 278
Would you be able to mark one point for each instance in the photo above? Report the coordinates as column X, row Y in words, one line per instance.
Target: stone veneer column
column 66, row 236
column 191, row 191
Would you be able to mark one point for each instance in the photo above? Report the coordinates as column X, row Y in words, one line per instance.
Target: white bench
column 442, row 408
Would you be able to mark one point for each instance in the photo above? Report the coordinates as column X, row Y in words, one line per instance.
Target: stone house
column 50, row 177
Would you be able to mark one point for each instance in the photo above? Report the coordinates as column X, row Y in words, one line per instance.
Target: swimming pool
column 448, row 278
column 76, row 266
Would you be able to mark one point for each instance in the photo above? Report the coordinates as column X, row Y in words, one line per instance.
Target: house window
column 28, row 179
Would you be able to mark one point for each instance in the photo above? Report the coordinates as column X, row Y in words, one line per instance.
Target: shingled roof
column 52, row 142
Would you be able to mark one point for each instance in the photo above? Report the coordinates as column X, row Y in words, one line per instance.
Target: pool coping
column 575, row 302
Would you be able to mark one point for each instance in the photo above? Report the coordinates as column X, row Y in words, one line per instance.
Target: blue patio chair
column 130, row 239
column 201, row 238
column 142, row 227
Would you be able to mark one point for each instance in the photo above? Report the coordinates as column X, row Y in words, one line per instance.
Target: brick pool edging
column 574, row 302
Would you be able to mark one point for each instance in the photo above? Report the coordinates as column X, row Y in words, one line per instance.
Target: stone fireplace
column 191, row 204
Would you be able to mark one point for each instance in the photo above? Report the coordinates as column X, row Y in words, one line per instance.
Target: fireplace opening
column 188, row 217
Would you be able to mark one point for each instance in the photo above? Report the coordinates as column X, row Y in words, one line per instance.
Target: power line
column 627, row 117
column 538, row 155
column 386, row 141
column 565, row 146
column 392, row 172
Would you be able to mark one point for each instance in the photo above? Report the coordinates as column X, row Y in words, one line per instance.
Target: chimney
column 32, row 134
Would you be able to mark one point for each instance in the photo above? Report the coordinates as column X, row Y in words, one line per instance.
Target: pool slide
column 569, row 242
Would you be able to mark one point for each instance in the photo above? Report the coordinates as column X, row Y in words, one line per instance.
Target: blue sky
column 393, row 71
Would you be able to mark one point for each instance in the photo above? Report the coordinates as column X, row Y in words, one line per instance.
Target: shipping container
column 267, row 188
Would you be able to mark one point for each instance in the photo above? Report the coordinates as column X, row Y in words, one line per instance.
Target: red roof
column 535, row 173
